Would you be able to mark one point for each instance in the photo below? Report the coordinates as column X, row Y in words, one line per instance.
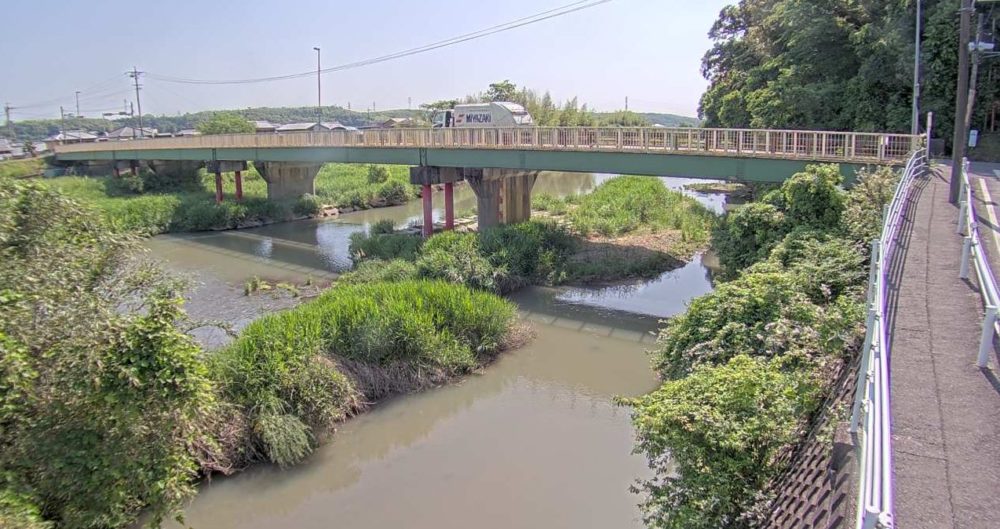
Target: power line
column 492, row 30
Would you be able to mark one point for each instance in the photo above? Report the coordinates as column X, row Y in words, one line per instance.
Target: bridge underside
column 721, row 167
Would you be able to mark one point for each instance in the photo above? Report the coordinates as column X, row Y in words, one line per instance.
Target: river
column 533, row 441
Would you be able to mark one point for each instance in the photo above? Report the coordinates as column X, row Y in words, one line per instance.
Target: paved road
column 946, row 411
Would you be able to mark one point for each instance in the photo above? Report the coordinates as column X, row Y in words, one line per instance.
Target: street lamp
column 319, row 91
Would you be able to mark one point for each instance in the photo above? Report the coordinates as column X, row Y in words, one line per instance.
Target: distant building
column 313, row 127
column 397, row 123
column 129, row 133
column 70, row 136
column 7, row 149
column 264, row 127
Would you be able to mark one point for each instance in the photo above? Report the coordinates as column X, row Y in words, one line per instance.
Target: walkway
column 946, row 411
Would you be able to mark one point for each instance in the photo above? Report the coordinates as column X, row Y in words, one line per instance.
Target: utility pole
column 131, row 114
column 975, row 73
column 10, row 129
column 134, row 74
column 915, row 115
column 626, row 103
column 78, row 104
column 961, row 100
column 319, row 90
column 409, row 103
column 62, row 121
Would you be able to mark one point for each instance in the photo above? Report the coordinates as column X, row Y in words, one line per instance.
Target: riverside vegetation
column 108, row 407
column 154, row 204
column 746, row 367
column 590, row 238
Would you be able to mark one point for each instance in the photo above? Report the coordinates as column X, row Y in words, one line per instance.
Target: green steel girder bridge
column 501, row 163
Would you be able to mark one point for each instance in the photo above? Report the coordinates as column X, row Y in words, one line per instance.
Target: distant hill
column 670, row 120
column 40, row 129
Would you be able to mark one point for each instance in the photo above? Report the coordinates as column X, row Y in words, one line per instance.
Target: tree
column 502, row 91
column 226, row 123
column 444, row 104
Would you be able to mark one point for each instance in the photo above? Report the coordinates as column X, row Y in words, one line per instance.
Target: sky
column 647, row 50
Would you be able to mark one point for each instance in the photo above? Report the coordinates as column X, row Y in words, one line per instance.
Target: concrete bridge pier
column 426, row 176
column 288, row 179
column 220, row 167
column 503, row 196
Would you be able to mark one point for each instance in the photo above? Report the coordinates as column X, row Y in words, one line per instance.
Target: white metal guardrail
column 974, row 253
column 871, row 414
column 794, row 144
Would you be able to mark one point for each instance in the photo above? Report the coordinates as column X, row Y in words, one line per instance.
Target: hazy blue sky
column 649, row 50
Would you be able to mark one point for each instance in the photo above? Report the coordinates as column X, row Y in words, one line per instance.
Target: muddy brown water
column 534, row 440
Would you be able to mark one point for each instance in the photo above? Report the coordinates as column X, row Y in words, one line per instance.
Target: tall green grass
column 21, row 168
column 293, row 373
column 156, row 206
column 628, row 204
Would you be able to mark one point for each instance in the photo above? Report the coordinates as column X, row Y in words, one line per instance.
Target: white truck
column 495, row 114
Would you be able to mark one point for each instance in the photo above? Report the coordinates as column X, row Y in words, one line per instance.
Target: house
column 129, row 133
column 264, row 126
column 70, row 136
column 313, row 127
column 397, row 123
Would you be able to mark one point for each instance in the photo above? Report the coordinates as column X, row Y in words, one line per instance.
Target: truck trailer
column 494, row 114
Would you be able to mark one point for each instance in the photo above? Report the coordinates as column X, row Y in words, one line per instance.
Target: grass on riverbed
column 192, row 207
column 291, row 375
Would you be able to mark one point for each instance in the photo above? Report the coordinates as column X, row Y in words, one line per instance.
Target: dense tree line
column 835, row 64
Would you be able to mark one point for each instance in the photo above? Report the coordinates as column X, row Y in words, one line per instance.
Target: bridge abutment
column 287, row 179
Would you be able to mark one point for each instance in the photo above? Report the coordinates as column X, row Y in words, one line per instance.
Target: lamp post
column 319, row 91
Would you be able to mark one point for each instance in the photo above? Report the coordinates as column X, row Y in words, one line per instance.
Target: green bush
column 866, row 202
column 625, row 204
column 535, row 250
column 307, row 204
column 382, row 227
column 739, row 316
column 19, row 512
column 98, row 406
column 747, row 235
column 377, row 174
column 825, row 265
column 394, row 192
column 385, row 246
column 124, row 185
column 373, row 270
column 814, row 197
column 712, row 439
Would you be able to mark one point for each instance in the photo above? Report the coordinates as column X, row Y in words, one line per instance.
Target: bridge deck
column 946, row 411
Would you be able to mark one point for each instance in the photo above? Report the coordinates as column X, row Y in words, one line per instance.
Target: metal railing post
column 986, row 339
column 863, row 369
column 963, row 270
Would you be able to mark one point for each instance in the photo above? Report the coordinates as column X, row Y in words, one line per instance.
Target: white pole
column 986, row 341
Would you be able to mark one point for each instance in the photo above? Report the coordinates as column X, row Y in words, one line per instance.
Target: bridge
column 501, row 163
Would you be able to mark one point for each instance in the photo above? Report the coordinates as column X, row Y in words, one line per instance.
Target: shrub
column 738, row 316
column 307, row 204
column 865, row 203
column 532, row 250
column 825, row 265
column 625, row 204
column 746, row 235
column 98, row 404
column 813, row 197
column 382, row 227
column 124, row 185
column 394, row 192
column 377, row 174
column 712, row 439
column 385, row 246
column 373, row 270
column 18, row 511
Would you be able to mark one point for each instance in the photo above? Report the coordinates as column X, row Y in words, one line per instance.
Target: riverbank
column 153, row 204
column 757, row 357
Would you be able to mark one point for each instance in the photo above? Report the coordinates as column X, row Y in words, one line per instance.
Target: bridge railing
column 871, row 413
column 974, row 253
column 794, row 144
